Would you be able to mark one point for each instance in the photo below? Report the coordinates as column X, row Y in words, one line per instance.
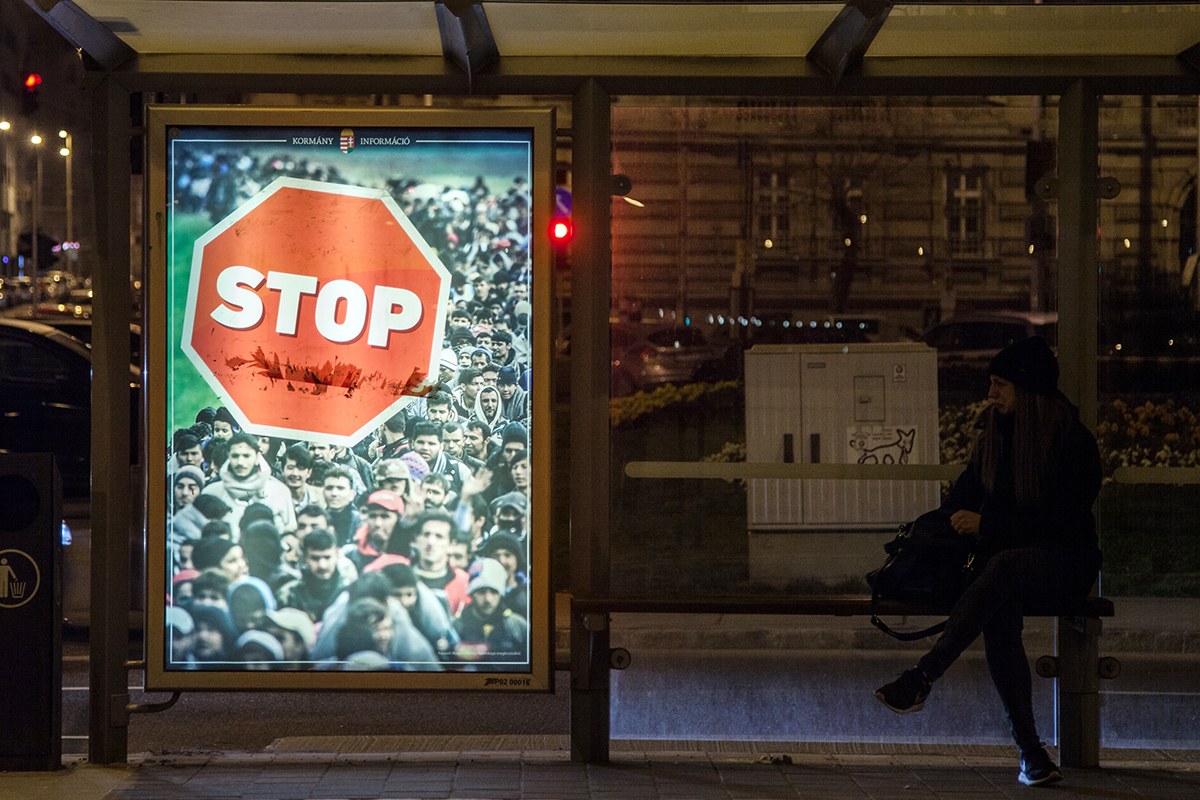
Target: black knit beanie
column 1030, row 364
column 225, row 415
column 210, row 551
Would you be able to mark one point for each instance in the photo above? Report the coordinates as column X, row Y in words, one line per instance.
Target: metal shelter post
column 1078, row 696
column 1078, row 245
column 591, row 299
column 111, row 496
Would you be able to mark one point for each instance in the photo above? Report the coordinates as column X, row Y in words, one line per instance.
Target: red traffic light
column 32, row 81
column 562, row 231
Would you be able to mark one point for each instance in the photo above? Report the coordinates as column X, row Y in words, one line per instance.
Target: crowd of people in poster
column 406, row 551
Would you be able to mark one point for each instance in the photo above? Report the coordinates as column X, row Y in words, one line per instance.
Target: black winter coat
column 1062, row 522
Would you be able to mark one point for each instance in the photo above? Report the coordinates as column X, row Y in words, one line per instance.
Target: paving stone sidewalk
column 725, row 771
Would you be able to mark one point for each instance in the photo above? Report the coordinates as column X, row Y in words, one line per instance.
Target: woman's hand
column 965, row 522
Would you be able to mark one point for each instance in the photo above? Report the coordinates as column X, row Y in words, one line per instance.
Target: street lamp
column 65, row 152
column 33, row 237
column 8, row 192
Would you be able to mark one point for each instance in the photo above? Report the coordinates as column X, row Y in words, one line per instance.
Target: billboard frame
column 540, row 124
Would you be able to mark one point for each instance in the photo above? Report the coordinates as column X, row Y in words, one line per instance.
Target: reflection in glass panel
column 1148, row 406
column 889, row 246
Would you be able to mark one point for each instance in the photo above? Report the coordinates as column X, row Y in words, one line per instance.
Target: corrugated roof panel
column 586, row 29
column 200, row 26
column 1032, row 30
column 604, row 29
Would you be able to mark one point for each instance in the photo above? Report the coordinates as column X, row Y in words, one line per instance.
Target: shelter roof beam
column 466, row 36
column 845, row 42
column 655, row 75
column 99, row 45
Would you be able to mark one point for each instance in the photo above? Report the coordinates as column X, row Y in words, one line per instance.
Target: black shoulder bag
column 928, row 564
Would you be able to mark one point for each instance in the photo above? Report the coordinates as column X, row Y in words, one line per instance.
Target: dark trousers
column 992, row 606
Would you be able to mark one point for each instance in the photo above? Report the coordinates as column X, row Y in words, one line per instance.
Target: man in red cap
column 384, row 511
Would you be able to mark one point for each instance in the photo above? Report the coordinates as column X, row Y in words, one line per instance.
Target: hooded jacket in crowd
column 260, row 486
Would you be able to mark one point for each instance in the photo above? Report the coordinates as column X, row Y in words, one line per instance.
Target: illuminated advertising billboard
column 348, row 398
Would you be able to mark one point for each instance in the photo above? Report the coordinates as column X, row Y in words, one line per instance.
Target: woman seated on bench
column 1027, row 496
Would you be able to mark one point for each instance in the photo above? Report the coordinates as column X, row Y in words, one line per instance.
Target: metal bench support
column 1078, row 691
column 591, row 688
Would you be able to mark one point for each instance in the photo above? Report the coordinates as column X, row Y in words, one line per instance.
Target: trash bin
column 30, row 612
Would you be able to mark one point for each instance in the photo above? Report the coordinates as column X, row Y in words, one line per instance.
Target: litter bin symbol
column 20, row 578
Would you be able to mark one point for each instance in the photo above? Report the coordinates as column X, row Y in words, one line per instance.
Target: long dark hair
column 1038, row 423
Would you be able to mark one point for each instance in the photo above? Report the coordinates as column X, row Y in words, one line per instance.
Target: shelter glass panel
column 809, row 284
column 1148, row 426
column 760, row 368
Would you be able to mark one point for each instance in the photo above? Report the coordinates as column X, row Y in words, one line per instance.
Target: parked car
column 19, row 290
column 967, row 343
column 81, row 329
column 46, row 398
column 976, row 338
column 1145, row 353
column 56, row 285
column 643, row 358
column 1141, row 353
column 46, row 406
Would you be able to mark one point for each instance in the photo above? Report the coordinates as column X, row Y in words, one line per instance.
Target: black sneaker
column 1037, row 769
column 907, row 693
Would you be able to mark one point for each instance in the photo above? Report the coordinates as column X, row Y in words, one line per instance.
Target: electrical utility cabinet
column 870, row 403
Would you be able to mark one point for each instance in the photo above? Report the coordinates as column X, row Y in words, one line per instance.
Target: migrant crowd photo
column 408, row 549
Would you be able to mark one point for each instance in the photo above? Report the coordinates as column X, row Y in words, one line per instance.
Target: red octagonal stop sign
column 315, row 311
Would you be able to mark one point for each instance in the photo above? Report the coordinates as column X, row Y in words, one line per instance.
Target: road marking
column 85, row 688
column 76, row 658
column 75, row 737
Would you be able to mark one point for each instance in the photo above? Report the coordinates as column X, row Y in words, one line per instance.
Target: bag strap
column 883, row 626
column 907, row 637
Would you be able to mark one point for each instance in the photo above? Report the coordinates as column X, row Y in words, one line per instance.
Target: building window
column 964, row 211
column 772, row 208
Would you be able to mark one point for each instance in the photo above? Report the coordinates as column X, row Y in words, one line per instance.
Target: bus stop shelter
column 590, row 51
